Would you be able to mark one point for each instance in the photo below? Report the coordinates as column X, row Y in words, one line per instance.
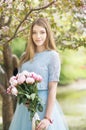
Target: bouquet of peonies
column 24, row 86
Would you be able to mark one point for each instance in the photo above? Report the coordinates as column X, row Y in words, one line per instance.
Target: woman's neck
column 40, row 48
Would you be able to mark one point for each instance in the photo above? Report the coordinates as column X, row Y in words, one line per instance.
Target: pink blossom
column 8, row 1
column 30, row 80
column 13, row 81
column 9, row 6
column 20, row 78
column 5, row 28
column 21, row 6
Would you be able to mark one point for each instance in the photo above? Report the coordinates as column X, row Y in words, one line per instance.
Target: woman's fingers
column 43, row 125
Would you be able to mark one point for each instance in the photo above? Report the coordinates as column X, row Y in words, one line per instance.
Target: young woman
column 42, row 58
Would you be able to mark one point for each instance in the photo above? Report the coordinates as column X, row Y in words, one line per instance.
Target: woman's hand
column 43, row 125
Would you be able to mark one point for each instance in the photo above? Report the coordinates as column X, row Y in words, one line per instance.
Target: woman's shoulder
column 54, row 57
column 53, row 53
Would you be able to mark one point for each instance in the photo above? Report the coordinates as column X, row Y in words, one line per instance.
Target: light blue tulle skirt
column 21, row 119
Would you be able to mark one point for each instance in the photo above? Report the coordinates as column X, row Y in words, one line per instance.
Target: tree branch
column 22, row 30
column 32, row 10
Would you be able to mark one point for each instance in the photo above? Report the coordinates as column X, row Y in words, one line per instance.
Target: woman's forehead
column 38, row 27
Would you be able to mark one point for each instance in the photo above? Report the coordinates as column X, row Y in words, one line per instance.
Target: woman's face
column 39, row 35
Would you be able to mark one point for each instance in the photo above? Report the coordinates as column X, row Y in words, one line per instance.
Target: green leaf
column 40, row 107
column 28, row 96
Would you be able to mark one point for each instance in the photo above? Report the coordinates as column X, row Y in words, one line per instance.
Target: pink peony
column 32, row 74
column 14, row 91
column 26, row 73
column 9, row 89
column 38, row 78
column 21, row 78
column 30, row 80
column 13, row 81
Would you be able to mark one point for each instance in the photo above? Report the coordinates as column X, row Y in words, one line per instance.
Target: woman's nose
column 38, row 35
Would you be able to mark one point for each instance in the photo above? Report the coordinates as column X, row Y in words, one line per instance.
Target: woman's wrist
column 48, row 119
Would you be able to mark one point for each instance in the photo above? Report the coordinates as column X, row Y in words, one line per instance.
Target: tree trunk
column 7, row 104
column 8, row 65
column 7, row 111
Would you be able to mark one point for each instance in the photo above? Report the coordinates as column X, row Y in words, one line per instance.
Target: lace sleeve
column 54, row 67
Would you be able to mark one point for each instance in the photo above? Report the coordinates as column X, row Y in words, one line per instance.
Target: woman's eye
column 42, row 32
column 34, row 32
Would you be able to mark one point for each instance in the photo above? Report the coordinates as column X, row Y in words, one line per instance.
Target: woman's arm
column 51, row 98
column 50, row 104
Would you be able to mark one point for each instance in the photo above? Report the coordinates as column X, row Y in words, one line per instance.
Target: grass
column 73, row 103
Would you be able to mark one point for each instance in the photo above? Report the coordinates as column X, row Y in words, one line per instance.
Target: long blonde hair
column 31, row 47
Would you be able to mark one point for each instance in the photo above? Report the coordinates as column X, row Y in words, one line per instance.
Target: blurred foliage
column 72, row 101
column 73, row 63
column 18, row 46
